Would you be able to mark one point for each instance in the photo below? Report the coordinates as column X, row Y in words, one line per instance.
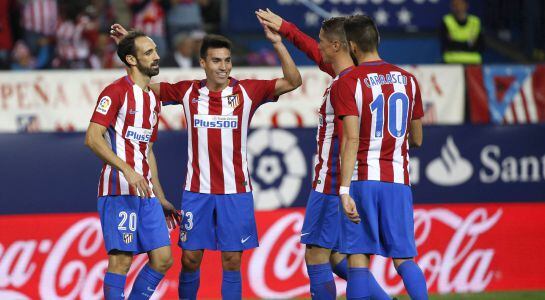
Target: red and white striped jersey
column 131, row 117
column 385, row 98
column 151, row 19
column 327, row 163
column 40, row 16
column 217, row 131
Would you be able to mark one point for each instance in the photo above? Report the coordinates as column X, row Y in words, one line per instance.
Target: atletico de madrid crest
column 233, row 101
column 127, row 238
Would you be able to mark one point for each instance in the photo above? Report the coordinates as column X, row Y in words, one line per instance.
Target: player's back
column 387, row 98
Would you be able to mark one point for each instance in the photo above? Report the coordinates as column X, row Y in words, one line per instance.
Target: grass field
column 488, row 296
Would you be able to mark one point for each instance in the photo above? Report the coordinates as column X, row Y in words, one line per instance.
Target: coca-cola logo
column 458, row 266
column 277, row 268
column 72, row 267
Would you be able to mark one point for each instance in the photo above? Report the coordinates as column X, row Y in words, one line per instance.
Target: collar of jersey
column 232, row 82
column 373, row 63
column 346, row 71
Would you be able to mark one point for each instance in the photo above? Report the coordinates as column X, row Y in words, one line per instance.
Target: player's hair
column 333, row 28
column 362, row 30
column 127, row 45
column 214, row 41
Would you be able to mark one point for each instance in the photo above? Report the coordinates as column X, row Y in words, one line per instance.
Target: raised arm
column 292, row 77
column 298, row 38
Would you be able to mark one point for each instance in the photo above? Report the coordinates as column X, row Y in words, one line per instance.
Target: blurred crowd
column 45, row 34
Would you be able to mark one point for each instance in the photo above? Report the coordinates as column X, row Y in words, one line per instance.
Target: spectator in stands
column 39, row 21
column 22, row 58
column 121, row 11
column 183, row 55
column 211, row 15
column 461, row 35
column 7, row 12
column 149, row 17
column 76, row 34
column 105, row 51
column 183, row 16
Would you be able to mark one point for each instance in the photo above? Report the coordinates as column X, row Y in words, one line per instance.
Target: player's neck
column 141, row 80
column 341, row 63
column 216, row 87
column 368, row 57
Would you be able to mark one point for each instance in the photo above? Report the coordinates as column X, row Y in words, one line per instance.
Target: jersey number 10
column 398, row 108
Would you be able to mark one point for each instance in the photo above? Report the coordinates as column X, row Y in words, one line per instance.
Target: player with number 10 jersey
column 386, row 98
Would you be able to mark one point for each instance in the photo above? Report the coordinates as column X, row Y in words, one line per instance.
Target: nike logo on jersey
column 303, row 234
column 245, row 239
column 132, row 112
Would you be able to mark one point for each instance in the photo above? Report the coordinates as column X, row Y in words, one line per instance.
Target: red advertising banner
column 462, row 248
column 506, row 94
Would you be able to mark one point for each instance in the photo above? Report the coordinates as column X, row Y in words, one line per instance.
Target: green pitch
column 488, row 296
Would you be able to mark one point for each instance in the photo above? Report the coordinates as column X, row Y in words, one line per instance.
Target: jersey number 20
column 398, row 108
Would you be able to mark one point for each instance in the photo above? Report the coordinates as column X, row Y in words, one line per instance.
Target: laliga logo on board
column 278, row 166
column 450, row 168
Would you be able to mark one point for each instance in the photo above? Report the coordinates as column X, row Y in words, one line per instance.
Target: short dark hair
column 334, row 28
column 127, row 45
column 362, row 30
column 214, row 41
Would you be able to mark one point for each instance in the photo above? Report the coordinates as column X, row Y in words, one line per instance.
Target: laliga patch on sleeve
column 104, row 105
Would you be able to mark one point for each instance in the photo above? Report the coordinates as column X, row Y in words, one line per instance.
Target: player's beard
column 148, row 71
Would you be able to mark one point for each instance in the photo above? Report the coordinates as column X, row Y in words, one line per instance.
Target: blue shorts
column 387, row 225
column 322, row 221
column 218, row 222
column 132, row 224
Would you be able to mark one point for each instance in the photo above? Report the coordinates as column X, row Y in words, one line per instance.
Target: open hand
column 349, row 207
column 138, row 182
column 171, row 214
column 272, row 36
column 270, row 19
column 118, row 32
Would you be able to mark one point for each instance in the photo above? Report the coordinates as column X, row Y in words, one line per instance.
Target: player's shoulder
column 248, row 84
column 404, row 72
column 244, row 82
column 349, row 77
column 117, row 88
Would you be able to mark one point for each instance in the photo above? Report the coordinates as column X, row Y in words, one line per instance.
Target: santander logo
column 460, row 267
column 450, row 168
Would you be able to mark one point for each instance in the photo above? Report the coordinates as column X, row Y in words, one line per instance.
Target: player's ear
column 131, row 59
column 337, row 45
column 202, row 62
column 353, row 47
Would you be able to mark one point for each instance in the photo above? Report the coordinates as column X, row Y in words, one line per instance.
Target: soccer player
column 217, row 203
column 380, row 107
column 322, row 223
column 131, row 202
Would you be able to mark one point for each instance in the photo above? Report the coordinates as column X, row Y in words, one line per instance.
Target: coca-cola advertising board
column 462, row 248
